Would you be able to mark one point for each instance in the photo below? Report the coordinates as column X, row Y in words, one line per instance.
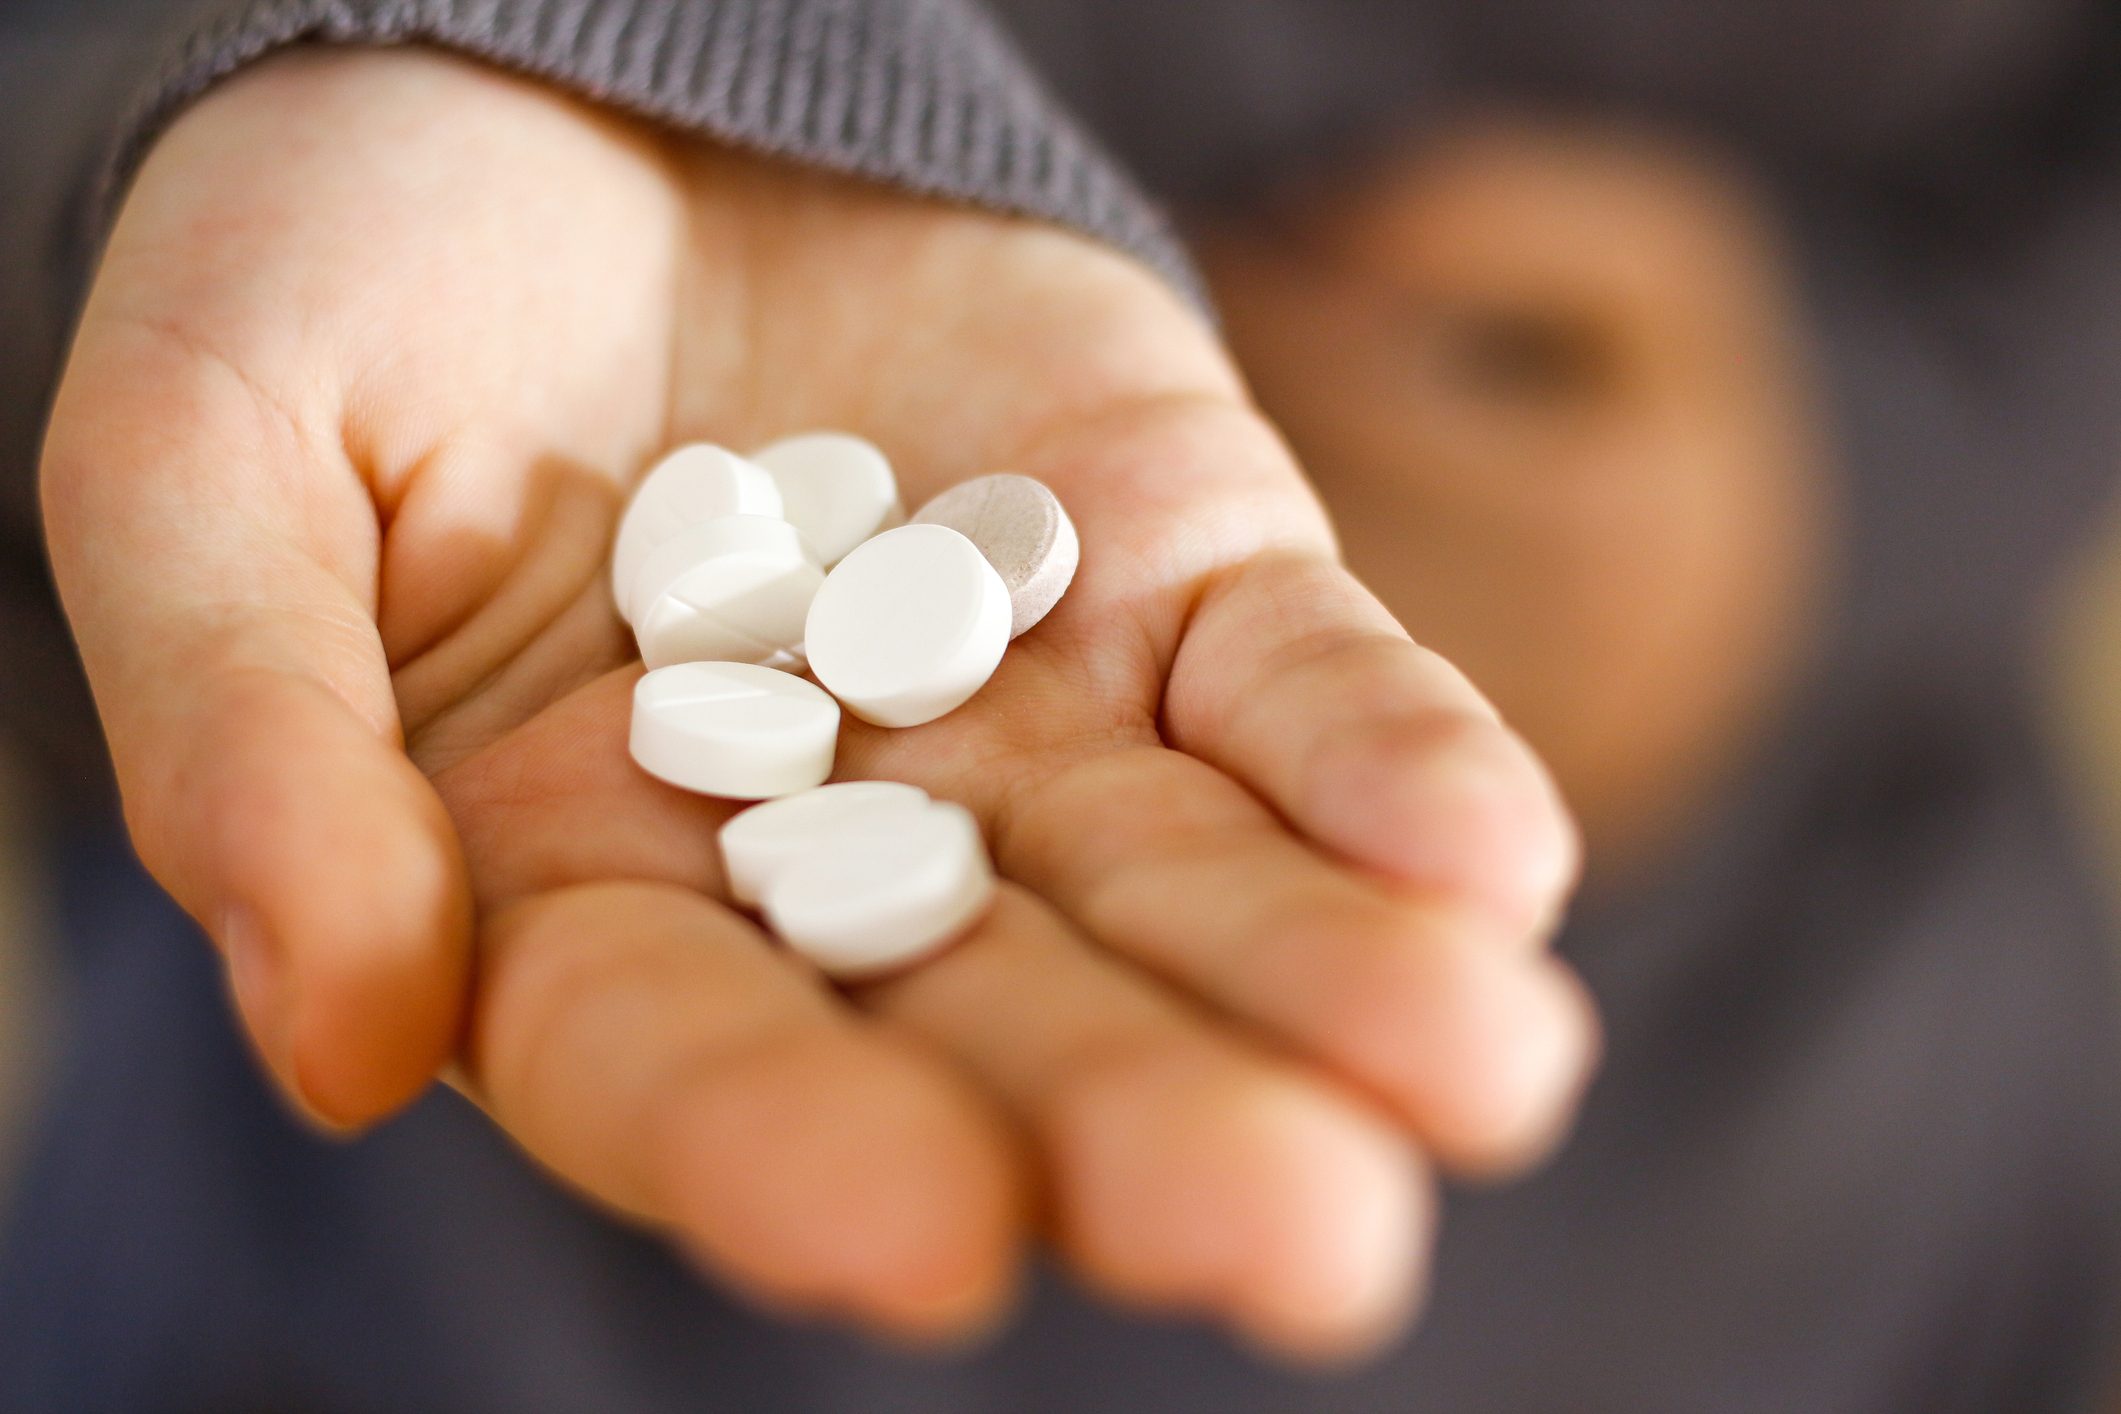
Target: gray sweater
column 1854, row 1149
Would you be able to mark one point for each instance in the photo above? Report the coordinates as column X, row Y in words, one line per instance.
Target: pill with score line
column 735, row 588
column 735, row 730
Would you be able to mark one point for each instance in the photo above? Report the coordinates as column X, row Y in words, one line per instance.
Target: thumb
column 217, row 560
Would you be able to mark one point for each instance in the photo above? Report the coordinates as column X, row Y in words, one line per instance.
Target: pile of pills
column 736, row 574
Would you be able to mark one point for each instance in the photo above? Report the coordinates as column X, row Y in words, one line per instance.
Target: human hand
column 329, row 486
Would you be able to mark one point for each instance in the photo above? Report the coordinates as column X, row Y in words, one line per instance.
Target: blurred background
column 26, row 1014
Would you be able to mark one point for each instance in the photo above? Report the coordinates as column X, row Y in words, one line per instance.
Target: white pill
column 690, row 485
column 733, row 729
column 766, row 839
column 908, row 626
column 836, row 488
column 733, row 589
column 1020, row 527
column 865, row 902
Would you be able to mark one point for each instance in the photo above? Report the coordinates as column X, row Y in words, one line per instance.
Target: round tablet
column 736, row 589
column 908, row 626
column 762, row 841
column 733, row 729
column 1020, row 527
column 690, row 485
column 867, row 902
column 836, row 488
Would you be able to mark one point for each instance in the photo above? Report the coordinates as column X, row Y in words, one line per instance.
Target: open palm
column 377, row 344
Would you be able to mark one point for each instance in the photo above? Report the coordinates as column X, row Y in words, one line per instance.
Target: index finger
column 216, row 556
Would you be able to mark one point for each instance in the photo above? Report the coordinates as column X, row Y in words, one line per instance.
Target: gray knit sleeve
column 926, row 95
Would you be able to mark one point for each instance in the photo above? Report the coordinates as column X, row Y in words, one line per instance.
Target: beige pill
column 1021, row 528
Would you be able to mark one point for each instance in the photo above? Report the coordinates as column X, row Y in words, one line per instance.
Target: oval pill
column 762, row 841
column 734, row 589
column 1022, row 529
column 866, row 902
column 735, row 730
column 908, row 626
column 692, row 484
column 835, row 487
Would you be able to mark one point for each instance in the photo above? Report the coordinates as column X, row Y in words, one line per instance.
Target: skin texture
column 1550, row 383
column 378, row 341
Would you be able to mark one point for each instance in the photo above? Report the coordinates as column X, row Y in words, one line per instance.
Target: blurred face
column 1549, row 385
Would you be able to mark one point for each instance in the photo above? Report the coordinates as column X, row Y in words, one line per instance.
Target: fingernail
column 1556, row 1052
column 1479, row 822
column 1520, row 849
column 257, row 975
column 256, row 978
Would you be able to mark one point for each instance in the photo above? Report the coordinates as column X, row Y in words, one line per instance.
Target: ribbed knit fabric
column 927, row 95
